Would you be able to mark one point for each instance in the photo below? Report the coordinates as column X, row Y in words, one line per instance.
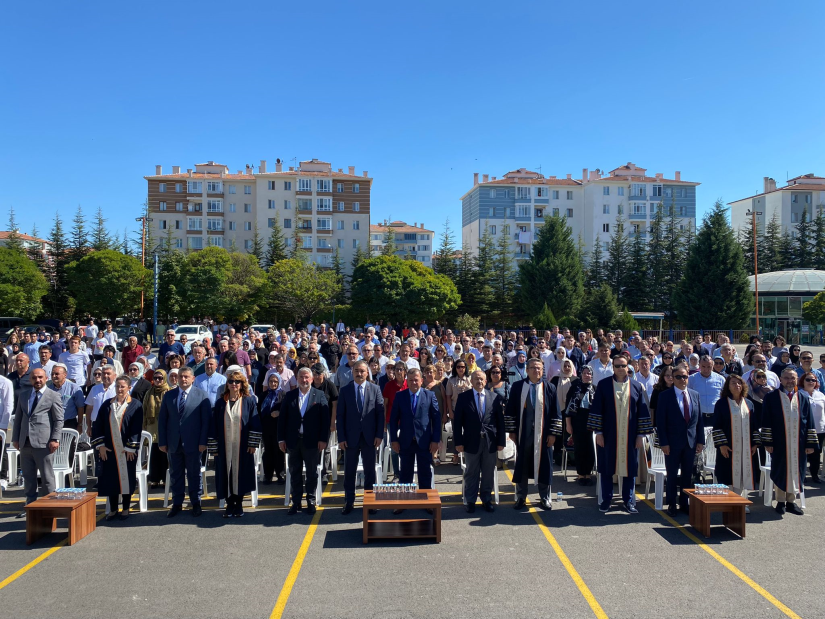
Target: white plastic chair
column 61, row 465
column 13, row 457
column 168, row 484
column 144, row 456
column 379, row 473
column 564, row 451
column 2, row 453
column 709, row 456
column 385, row 457
column 657, row 470
column 766, row 484
column 288, row 486
column 333, row 454
column 464, row 468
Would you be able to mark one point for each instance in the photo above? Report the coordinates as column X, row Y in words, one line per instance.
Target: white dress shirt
column 679, row 394
column 303, row 399
column 6, row 402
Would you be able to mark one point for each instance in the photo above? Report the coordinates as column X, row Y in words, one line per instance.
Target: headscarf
column 794, row 358
column 273, row 397
column 779, row 365
column 470, row 360
column 565, row 378
column 757, row 392
column 153, row 399
column 554, row 367
column 172, row 371
column 139, row 366
column 693, row 363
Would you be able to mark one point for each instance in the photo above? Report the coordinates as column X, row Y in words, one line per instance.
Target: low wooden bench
column 731, row 505
column 42, row 515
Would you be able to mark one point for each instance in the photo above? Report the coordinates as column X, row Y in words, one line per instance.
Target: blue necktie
column 34, row 402
column 480, row 406
column 181, row 402
column 359, row 398
column 413, row 399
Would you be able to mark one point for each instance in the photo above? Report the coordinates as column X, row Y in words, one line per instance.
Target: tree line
column 777, row 249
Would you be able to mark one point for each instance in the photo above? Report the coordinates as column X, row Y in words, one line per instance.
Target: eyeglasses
column 496, row 372
column 96, row 374
column 680, row 377
column 619, row 367
column 234, row 382
column 810, row 380
column 807, row 358
column 157, row 378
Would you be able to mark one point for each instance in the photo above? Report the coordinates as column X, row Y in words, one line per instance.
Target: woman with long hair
column 430, row 374
column 234, row 437
column 458, row 383
column 665, row 382
column 810, row 383
column 158, row 462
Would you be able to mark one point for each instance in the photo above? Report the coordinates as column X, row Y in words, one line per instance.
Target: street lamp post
column 753, row 215
column 144, row 220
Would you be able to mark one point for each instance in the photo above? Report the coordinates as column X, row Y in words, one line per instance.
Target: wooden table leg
column 734, row 519
column 438, row 524
column 365, row 537
column 38, row 525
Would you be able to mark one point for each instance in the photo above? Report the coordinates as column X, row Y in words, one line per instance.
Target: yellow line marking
column 39, row 559
column 283, row 597
column 748, row 581
column 565, row 561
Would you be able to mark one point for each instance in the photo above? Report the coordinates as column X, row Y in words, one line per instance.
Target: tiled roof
column 324, row 174
column 646, row 179
column 799, row 187
column 627, row 167
column 534, row 181
column 4, row 234
column 809, row 176
column 209, row 175
column 398, row 226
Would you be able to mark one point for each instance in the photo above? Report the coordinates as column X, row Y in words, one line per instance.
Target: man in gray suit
column 183, row 428
column 38, row 421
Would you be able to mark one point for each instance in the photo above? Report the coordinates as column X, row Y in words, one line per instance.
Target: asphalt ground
column 573, row 561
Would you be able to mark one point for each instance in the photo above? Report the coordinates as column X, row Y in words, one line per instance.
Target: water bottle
column 559, row 497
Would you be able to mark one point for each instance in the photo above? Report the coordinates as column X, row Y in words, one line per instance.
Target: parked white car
column 194, row 333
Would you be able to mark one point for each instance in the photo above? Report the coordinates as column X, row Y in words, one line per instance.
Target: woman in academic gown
column 116, row 436
column 736, row 437
column 234, row 437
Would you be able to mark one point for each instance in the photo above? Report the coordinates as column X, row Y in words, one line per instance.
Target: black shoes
column 793, row 508
column 546, row 505
column 347, row 509
column 470, row 509
column 780, row 507
column 229, row 512
column 311, row 508
column 196, row 510
column 604, row 508
column 488, row 507
column 629, row 508
column 293, row 509
column 373, row 511
column 397, row 511
column 671, row 511
column 176, row 509
column 520, row 503
column 280, row 480
column 111, row 516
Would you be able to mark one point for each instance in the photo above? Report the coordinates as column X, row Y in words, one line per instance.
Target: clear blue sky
column 421, row 95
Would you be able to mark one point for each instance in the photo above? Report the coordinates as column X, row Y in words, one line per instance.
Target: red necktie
column 686, row 408
column 790, row 396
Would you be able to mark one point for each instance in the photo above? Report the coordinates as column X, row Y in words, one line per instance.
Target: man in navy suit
column 681, row 434
column 415, row 429
column 478, row 432
column 183, row 429
column 360, row 426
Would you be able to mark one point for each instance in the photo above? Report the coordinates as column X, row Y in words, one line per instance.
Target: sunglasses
column 807, row 358
column 97, row 374
column 680, row 377
column 234, row 382
column 496, row 372
column 618, row 367
column 157, row 378
column 810, row 380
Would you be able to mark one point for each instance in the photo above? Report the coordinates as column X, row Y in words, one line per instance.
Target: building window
column 639, row 208
column 323, row 243
column 541, row 192
column 287, row 185
column 323, row 185
column 638, row 190
column 656, row 191
column 569, row 212
column 287, row 205
column 324, row 204
column 162, row 187
column 270, row 204
column 355, row 243
column 605, row 191
column 214, row 187
column 195, row 223
column 340, row 225
column 247, row 225
column 620, row 209
column 162, row 206
column 324, row 223
column 231, row 208
column 216, row 241
column 247, row 244
column 356, row 225
column 555, row 212
column 493, row 230
column 555, row 194
column 197, row 206
column 794, row 198
column 356, row 206
column 493, row 193
column 195, row 242
column 306, row 242
column 270, row 223
column 340, row 206
column 339, row 187
column 194, row 187
column 668, row 192
column 287, row 223
column 271, row 185
column 620, row 191
column 232, row 189
column 178, row 206
column 522, row 192
column 214, row 223
column 807, row 199
column 682, row 211
column 247, row 208
column 178, row 224
column 523, row 210
column 569, row 195
column 605, row 209
column 356, row 188
column 231, row 226
column 178, row 187
column 214, row 206
column 247, row 189
column 505, row 229
column 606, row 228
column 304, row 184
column 340, row 243
column 163, row 224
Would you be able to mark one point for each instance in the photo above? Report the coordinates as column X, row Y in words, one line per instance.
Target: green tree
column 745, row 237
column 390, row 246
column 106, row 283
column 714, row 292
column 295, row 252
column 544, row 320
column 770, row 247
column 818, row 241
column 257, row 248
column 302, row 289
column 101, row 239
column 595, row 275
column 599, row 308
column 172, row 284
column 626, row 322
column 246, row 288
column 657, row 251
column 60, row 302
column 340, row 276
column 674, row 263
column 617, row 255
column 814, row 310
column 503, row 275
column 468, row 284
column 444, row 257
column 79, row 237
column 553, row 275
column 467, row 323
column 802, row 254
column 22, row 285
column 13, row 240
column 637, row 286
column 359, row 257
column 207, row 274
column 485, row 273
column 787, row 259
column 275, row 246
column 402, row 290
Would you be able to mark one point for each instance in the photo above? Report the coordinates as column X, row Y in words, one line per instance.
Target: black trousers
column 300, row 457
column 158, row 465
column 367, row 453
column 679, row 459
column 113, row 499
column 815, row 458
column 273, row 457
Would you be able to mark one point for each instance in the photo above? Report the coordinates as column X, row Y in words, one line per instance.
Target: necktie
column 686, row 408
column 790, row 396
column 181, row 402
column 480, row 405
column 533, row 394
column 359, row 400
column 34, row 402
column 414, row 400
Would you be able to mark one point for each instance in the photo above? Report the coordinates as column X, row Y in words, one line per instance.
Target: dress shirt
column 480, row 404
column 680, row 394
column 76, row 364
column 600, row 371
column 646, row 383
column 184, row 393
column 97, row 396
column 41, row 391
column 815, row 372
column 6, row 402
column 708, row 388
column 635, row 353
column 46, row 368
column 211, row 385
column 72, row 396
column 303, row 400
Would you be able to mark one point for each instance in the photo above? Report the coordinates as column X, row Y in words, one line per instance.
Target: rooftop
column 796, row 281
column 399, row 226
column 4, row 234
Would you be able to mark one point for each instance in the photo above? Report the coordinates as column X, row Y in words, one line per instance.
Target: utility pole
column 155, row 313
column 144, row 220
column 753, row 215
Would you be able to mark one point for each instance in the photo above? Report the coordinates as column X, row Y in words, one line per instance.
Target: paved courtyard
column 573, row 561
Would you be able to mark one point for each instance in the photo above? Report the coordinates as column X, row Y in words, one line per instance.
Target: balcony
column 305, row 227
column 637, row 216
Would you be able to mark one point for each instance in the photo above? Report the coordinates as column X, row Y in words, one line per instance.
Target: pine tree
column 13, row 240
column 714, row 291
column 802, row 255
column 443, row 259
column 295, row 250
column 504, row 274
column 595, row 266
column 59, row 299
column 468, row 284
column 617, row 253
column 637, row 292
column 673, row 263
column 745, row 238
column 233, row 247
column 125, row 247
column 770, row 247
column 657, row 251
column 338, row 269
column 35, row 252
column 276, row 246
column 257, row 248
column 359, row 257
column 786, row 251
column 79, row 237
column 818, row 241
column 101, row 239
column 485, row 269
column 390, row 246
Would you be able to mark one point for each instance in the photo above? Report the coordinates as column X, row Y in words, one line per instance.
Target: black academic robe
column 723, row 436
column 551, row 426
column 131, row 426
column 773, row 435
column 250, row 436
column 602, row 419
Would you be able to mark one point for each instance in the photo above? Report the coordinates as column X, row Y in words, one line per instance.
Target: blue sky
column 419, row 94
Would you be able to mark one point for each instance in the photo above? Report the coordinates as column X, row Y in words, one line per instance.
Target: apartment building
column 210, row 206
column 413, row 242
column 801, row 193
column 516, row 204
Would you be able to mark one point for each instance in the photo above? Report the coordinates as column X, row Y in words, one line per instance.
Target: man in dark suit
column 38, row 422
column 183, row 429
column 360, row 426
column 303, row 429
column 415, row 429
column 681, row 433
column 478, row 432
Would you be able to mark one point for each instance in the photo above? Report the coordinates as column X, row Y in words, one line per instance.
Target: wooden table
column 731, row 505
column 417, row 528
column 42, row 515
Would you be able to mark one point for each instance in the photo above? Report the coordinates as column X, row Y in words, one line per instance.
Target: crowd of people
column 422, row 391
